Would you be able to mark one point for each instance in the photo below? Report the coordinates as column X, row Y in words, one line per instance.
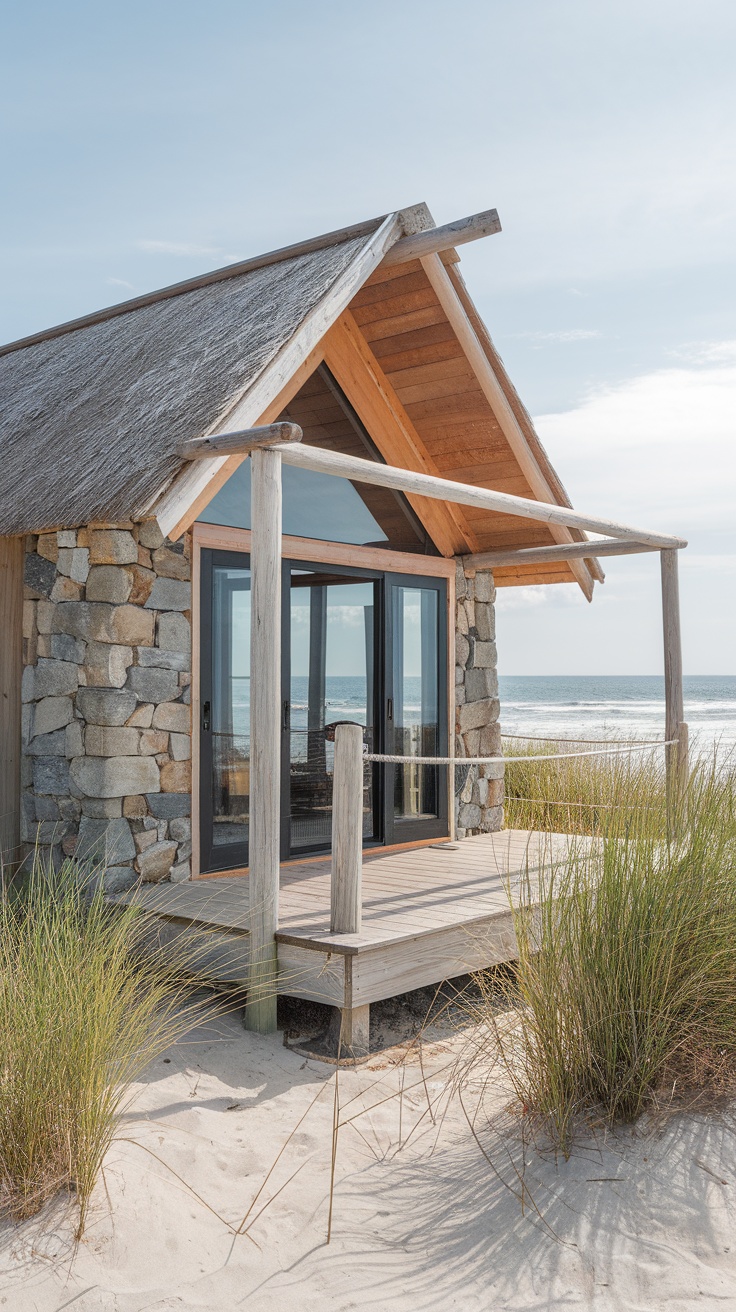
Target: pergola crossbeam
column 464, row 494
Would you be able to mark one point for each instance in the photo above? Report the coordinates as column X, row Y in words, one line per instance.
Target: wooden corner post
column 675, row 726
column 265, row 738
column 347, row 831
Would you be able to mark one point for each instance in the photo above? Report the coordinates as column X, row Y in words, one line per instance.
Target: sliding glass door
column 225, row 710
column 360, row 646
column 329, row 673
column 416, row 708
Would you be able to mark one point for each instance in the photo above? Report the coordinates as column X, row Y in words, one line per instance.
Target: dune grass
column 581, row 794
column 625, row 988
column 82, row 1011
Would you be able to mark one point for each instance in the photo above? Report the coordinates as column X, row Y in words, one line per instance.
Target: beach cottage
column 188, row 631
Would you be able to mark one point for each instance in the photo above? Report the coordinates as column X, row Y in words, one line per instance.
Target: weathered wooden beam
column 563, row 551
column 183, row 500
column 457, row 315
column 11, row 670
column 443, row 238
column 347, row 831
column 242, row 442
column 265, row 738
column 675, row 727
column 442, row 489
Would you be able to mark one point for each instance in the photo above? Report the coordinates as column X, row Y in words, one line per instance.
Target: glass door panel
column 225, row 695
column 416, row 710
column 331, row 679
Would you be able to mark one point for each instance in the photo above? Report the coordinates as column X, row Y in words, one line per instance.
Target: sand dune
column 636, row 1221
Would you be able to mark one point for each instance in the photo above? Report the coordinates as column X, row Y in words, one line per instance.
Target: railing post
column 676, row 756
column 346, row 895
column 265, row 739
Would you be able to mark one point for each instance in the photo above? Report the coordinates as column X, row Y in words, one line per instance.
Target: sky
column 144, row 143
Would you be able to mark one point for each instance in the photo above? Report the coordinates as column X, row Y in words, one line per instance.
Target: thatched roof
column 94, row 412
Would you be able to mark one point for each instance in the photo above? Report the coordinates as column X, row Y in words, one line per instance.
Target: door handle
column 285, row 715
column 390, row 708
column 206, row 717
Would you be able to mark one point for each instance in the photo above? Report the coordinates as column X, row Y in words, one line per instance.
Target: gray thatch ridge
column 93, row 413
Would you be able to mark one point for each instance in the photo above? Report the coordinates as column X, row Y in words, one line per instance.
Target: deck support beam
column 265, row 736
column 675, row 726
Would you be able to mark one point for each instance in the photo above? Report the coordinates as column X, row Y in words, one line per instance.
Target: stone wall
column 106, row 768
column 478, row 788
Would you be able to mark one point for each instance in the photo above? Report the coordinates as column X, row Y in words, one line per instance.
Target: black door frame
column 387, row 828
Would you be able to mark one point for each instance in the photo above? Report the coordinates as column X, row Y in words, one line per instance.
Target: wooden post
column 347, row 831
column 11, row 670
column 675, row 727
column 265, row 738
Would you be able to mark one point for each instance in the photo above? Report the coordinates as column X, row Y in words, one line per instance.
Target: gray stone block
column 170, row 594
column 70, row 809
column 47, row 808
column 171, row 564
column 115, row 776
column 51, row 713
column 112, row 547
column 108, row 841
column 480, row 684
column 485, row 622
column 174, row 632
column 492, row 819
column 66, row 648
column 51, row 775
column 153, row 685
column 155, row 862
column 98, row 621
column 102, row 740
column 66, row 537
column 476, row 715
column 462, row 649
column 169, row 806
column 485, row 589
column 73, row 744
column 180, row 746
column 109, row 706
column 155, row 658
column 107, row 664
column 55, row 678
column 180, row 829
column 102, row 808
column 483, row 655
column 174, row 717
column 113, row 583
column 119, row 879
column 39, row 574
column 150, row 535
column 180, row 872
column 48, row 744
column 27, row 684
column 469, row 816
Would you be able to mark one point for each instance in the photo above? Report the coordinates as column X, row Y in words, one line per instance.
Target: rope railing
column 347, row 807
column 385, row 758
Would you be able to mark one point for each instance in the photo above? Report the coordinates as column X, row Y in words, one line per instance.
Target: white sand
column 644, row 1222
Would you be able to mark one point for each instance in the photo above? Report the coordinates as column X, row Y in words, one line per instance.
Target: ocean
column 562, row 706
column 613, row 706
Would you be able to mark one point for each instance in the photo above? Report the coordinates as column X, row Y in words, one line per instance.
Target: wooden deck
column 428, row 914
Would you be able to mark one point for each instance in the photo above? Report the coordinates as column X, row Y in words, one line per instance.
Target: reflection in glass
column 332, row 663
column 230, row 710
column 416, row 700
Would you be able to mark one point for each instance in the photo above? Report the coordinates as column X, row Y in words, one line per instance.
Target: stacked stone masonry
column 106, row 769
column 478, row 788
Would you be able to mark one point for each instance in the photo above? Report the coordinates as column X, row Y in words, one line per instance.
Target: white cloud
column 659, row 450
column 120, row 282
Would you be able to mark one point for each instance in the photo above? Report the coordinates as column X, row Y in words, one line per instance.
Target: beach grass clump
column 624, row 993
column 582, row 794
column 83, row 1009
